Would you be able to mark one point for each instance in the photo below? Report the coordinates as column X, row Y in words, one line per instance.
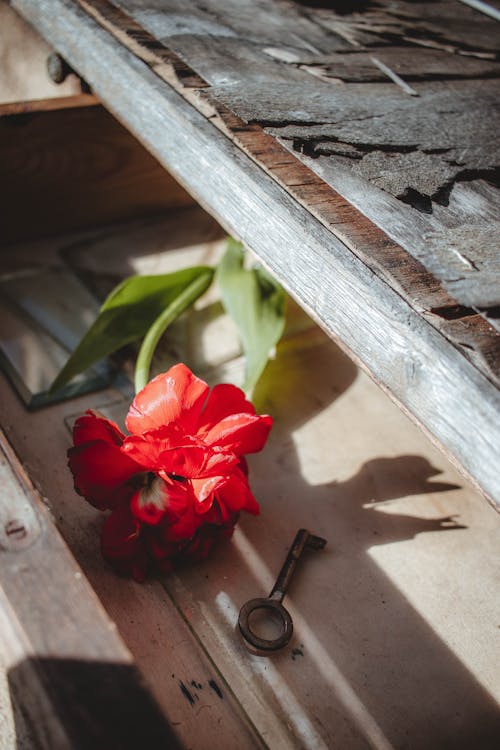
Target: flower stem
column 186, row 298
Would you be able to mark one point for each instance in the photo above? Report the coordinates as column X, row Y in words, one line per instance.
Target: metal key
column 303, row 540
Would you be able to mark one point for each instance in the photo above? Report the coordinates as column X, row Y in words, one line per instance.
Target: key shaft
column 303, row 540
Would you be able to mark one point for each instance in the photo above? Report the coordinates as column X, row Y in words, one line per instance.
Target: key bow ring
column 273, row 603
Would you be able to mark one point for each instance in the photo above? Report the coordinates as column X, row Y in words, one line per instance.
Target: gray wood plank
column 259, row 21
column 315, row 197
column 70, row 676
column 439, row 25
column 413, row 64
column 398, row 142
column 458, row 244
column 429, row 377
column 418, row 149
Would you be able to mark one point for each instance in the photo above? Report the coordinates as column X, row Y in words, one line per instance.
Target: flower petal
column 94, row 426
column 174, row 396
column 183, row 528
column 235, row 495
column 224, row 399
column 241, row 433
column 204, row 491
column 204, row 540
column 171, row 452
column 122, row 545
column 101, row 472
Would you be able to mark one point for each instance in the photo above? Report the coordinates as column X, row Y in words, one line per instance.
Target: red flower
column 177, row 483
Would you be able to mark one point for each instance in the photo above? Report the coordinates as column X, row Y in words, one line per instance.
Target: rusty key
column 273, row 603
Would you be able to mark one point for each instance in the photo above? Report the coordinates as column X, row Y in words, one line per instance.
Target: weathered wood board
column 280, row 65
column 395, row 640
column 71, row 680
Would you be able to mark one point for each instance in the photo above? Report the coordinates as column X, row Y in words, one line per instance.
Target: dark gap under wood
column 73, row 169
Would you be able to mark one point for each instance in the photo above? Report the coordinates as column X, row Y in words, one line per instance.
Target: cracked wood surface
column 430, row 257
column 419, row 150
column 312, row 78
column 224, row 64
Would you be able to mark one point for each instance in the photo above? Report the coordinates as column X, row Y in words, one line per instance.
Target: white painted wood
column 425, row 374
column 395, row 621
column 410, row 559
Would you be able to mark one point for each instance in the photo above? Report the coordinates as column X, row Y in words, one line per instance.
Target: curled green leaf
column 256, row 303
column 186, row 298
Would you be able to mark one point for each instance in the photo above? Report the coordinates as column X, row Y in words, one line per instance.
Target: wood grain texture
column 419, row 149
column 429, row 377
column 475, row 338
column 47, row 105
column 69, row 674
column 73, row 169
column 417, row 64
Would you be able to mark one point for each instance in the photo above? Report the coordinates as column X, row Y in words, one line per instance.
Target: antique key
column 303, row 540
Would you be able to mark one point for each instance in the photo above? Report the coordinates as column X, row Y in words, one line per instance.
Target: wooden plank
column 421, row 175
column 417, row 64
column 456, row 243
column 439, row 25
column 47, row 105
column 69, row 673
column 405, row 354
column 476, row 339
column 75, row 168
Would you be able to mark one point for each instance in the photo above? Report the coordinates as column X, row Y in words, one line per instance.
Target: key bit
column 273, row 603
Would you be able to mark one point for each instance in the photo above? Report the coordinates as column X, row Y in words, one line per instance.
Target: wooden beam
column 70, row 675
column 48, row 105
column 389, row 143
column 394, row 261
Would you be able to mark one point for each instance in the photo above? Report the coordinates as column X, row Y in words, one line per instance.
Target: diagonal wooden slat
column 69, row 673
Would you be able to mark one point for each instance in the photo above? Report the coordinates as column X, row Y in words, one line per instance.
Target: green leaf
column 256, row 303
column 129, row 312
column 186, row 298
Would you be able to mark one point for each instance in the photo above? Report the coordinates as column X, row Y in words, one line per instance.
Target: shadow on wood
column 85, row 705
column 73, row 169
column 358, row 622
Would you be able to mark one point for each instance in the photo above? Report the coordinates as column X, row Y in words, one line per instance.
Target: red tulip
column 177, row 483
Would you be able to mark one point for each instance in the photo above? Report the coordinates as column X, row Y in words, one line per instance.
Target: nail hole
column 15, row 528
